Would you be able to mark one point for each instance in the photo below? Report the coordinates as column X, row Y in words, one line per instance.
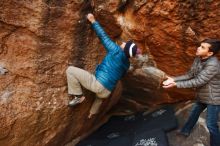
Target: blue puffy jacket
column 115, row 64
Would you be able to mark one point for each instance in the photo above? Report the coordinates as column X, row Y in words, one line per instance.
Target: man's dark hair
column 215, row 45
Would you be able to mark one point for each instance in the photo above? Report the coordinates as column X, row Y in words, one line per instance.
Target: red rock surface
column 39, row 39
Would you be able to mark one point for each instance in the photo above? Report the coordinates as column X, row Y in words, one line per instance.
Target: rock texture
column 40, row 38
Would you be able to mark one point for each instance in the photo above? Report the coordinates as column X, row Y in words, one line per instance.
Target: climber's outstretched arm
column 105, row 39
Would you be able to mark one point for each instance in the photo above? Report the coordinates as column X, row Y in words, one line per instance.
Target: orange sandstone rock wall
column 40, row 38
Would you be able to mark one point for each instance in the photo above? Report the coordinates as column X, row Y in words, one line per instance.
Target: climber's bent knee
column 71, row 70
column 105, row 93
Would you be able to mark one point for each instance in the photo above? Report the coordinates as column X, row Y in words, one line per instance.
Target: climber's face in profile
column 122, row 45
column 203, row 50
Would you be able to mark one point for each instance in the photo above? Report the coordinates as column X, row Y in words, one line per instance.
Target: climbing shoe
column 76, row 101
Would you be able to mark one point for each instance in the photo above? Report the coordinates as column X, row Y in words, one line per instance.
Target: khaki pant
column 77, row 77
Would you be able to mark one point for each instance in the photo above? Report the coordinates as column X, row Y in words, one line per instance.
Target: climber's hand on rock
column 91, row 17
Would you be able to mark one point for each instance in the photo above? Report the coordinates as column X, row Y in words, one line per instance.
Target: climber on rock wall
column 204, row 75
column 113, row 67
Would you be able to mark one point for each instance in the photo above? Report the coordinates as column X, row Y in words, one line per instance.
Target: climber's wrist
column 93, row 21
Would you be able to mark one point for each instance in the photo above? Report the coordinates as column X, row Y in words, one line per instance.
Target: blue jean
column 211, row 121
